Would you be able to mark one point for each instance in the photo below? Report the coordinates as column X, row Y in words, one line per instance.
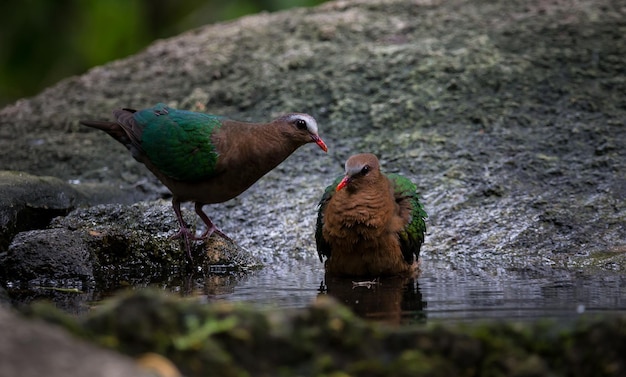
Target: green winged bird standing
column 205, row 158
column 369, row 223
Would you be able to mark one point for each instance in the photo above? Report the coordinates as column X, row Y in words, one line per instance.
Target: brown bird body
column 204, row 158
column 247, row 151
column 369, row 224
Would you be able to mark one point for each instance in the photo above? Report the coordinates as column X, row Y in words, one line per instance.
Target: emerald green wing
column 412, row 236
column 323, row 247
column 178, row 142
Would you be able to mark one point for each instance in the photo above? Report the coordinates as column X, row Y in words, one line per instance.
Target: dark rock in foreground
column 106, row 246
column 327, row 339
column 39, row 256
column 34, row 349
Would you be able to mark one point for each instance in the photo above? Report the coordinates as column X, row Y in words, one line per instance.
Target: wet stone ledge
column 105, row 239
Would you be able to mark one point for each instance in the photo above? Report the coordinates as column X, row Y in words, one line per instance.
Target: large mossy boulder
column 508, row 116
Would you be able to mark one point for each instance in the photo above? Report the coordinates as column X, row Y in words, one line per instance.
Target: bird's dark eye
column 366, row 169
column 301, row 124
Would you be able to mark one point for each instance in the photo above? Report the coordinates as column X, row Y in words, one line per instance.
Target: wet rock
column 105, row 244
column 138, row 238
column 112, row 243
column 52, row 257
column 30, row 202
column 5, row 302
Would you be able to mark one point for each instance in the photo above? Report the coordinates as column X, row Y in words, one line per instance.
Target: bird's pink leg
column 184, row 232
column 210, row 227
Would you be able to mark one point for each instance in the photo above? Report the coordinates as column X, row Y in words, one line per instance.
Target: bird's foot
column 186, row 235
column 210, row 227
column 209, row 232
column 182, row 232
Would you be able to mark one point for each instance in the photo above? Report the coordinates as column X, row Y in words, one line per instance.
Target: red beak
column 344, row 182
column 319, row 142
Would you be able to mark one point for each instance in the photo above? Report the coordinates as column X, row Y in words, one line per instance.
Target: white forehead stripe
column 311, row 123
column 353, row 169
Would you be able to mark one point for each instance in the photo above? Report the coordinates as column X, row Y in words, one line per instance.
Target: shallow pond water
column 438, row 293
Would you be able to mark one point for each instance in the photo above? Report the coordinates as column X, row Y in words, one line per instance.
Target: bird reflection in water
column 392, row 299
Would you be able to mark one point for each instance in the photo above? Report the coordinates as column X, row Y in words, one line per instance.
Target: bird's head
column 360, row 169
column 303, row 127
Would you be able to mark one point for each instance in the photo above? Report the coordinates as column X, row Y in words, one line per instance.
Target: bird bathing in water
column 369, row 223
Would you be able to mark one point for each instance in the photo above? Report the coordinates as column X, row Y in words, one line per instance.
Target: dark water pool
column 439, row 293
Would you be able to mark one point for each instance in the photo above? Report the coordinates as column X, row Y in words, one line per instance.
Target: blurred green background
column 43, row 41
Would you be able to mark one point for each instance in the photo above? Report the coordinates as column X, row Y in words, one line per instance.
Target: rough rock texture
column 30, row 202
column 140, row 234
column 508, row 115
column 111, row 245
column 38, row 255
